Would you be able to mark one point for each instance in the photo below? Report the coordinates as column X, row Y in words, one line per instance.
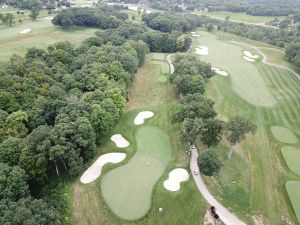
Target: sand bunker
column 25, row 31
column 248, row 59
column 120, row 141
column 94, row 171
column 194, row 34
column 133, row 8
column 249, row 55
column 175, row 177
column 201, row 50
column 219, row 71
column 49, row 18
column 139, row 119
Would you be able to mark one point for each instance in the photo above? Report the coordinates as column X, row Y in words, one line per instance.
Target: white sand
column 175, row 177
column 133, row 8
column 219, row 71
column 94, row 171
column 249, row 55
column 85, row 6
column 120, row 141
column 139, row 119
column 248, row 59
column 195, row 35
column 49, row 18
column 193, row 32
column 25, row 31
column 201, row 50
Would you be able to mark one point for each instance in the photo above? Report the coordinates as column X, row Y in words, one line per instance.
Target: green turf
column 164, row 67
column 283, row 135
column 264, row 175
column 43, row 34
column 245, row 77
column 162, row 79
column 128, row 189
column 293, row 189
column 291, row 156
column 243, row 17
column 157, row 56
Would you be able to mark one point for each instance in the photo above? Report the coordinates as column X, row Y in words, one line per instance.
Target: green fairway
column 293, row 189
column 243, row 17
column 244, row 75
column 283, row 135
column 256, row 165
column 164, row 67
column 291, row 156
column 162, row 79
column 43, row 34
column 158, row 56
column 128, row 189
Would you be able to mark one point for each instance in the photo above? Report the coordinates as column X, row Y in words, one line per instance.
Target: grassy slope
column 183, row 208
column 265, row 173
column 43, row 34
column 291, row 156
column 293, row 189
column 243, row 17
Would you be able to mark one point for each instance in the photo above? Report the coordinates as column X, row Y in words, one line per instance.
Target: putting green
column 284, row 135
column 293, row 189
column 291, row 156
column 245, row 77
column 164, row 67
column 128, row 189
column 162, row 79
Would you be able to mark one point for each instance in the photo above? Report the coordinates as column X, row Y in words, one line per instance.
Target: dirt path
column 172, row 69
column 265, row 59
column 227, row 217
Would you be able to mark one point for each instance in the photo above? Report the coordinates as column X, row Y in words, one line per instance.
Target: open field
column 257, row 166
column 243, row 17
column 293, row 189
column 291, row 156
column 43, row 34
column 184, row 207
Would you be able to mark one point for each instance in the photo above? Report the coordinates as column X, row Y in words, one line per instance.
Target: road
column 170, row 63
column 227, row 217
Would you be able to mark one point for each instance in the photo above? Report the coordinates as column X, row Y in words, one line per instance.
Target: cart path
column 227, row 217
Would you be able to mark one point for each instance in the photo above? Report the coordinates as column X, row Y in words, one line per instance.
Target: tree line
column 55, row 106
column 29, row 4
column 197, row 116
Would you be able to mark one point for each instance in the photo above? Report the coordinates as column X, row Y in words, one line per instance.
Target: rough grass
column 43, row 34
column 128, row 189
column 245, row 77
column 293, row 189
column 265, row 165
column 291, row 156
column 185, row 207
column 158, row 56
column 283, row 135
column 243, row 17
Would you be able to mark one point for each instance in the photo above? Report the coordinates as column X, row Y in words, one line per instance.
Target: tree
column 191, row 128
column 34, row 13
column 292, row 51
column 209, row 27
column 13, row 182
column 208, row 163
column 235, row 131
column 212, row 133
column 28, row 211
column 10, row 150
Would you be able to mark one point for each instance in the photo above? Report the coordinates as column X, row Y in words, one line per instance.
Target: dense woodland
column 29, row 4
column 251, row 7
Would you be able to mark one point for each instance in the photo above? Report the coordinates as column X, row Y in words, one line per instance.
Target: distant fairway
column 243, row 17
column 157, row 56
column 245, row 77
column 43, row 34
column 128, row 189
column 291, row 156
column 284, row 135
column 293, row 189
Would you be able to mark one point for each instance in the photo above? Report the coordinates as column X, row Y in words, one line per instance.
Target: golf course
column 133, row 190
column 269, row 96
